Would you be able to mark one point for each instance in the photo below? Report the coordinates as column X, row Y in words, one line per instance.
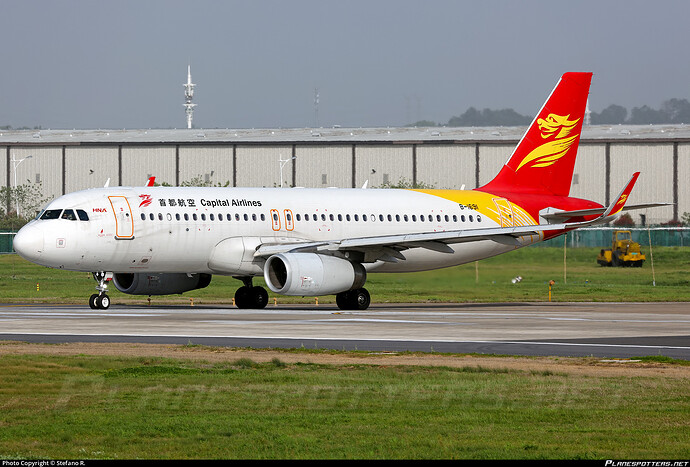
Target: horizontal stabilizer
column 558, row 215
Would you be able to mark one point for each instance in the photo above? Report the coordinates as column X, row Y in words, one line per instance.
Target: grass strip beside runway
column 578, row 278
column 99, row 407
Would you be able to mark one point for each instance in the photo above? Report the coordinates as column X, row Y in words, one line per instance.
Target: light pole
column 282, row 164
column 16, row 164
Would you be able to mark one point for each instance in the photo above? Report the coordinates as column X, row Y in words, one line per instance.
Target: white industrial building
column 64, row 161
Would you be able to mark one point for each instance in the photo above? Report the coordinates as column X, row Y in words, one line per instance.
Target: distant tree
column 423, row 123
column 611, row 115
column 624, row 221
column 645, row 115
column 405, row 184
column 488, row 117
column 676, row 110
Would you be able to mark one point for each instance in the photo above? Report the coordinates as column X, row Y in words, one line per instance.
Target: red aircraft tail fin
column 543, row 161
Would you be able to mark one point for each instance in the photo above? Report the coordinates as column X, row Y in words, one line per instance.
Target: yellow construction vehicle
column 623, row 251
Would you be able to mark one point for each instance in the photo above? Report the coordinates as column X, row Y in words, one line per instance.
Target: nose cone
column 29, row 242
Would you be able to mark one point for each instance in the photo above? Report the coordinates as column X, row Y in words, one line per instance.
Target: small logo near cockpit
column 145, row 201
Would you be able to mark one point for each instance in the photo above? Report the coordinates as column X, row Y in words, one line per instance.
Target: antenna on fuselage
column 107, row 182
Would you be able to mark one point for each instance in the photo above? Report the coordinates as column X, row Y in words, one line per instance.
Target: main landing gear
column 101, row 301
column 254, row 297
column 357, row 299
column 249, row 296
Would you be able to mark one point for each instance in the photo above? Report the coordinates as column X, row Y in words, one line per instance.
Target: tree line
column 673, row 111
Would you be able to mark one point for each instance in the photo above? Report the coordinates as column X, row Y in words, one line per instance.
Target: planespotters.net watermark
column 612, row 463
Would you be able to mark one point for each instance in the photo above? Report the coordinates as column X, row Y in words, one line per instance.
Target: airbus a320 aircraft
column 310, row 242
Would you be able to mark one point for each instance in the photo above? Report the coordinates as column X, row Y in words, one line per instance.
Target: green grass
column 584, row 280
column 125, row 408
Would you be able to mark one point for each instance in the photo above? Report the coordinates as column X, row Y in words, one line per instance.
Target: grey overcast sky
column 121, row 64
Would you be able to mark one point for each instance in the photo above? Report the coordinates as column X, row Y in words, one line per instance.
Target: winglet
column 618, row 205
column 151, row 181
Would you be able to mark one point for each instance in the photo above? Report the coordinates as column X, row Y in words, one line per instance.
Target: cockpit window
column 69, row 215
column 82, row 215
column 51, row 214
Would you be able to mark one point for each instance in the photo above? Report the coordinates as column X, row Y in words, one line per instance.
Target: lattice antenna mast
column 188, row 96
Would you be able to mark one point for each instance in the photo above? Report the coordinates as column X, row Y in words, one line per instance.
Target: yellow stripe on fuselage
column 487, row 205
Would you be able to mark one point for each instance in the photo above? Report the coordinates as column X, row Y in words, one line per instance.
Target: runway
column 615, row 330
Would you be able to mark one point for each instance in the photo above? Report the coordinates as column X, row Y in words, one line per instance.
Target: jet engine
column 159, row 284
column 312, row 274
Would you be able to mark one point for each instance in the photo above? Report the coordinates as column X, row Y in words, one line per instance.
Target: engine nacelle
column 159, row 284
column 312, row 274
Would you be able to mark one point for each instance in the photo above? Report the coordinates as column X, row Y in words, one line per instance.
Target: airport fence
column 601, row 237
column 598, row 237
column 6, row 242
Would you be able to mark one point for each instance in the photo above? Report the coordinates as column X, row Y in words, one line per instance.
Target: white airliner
column 309, row 242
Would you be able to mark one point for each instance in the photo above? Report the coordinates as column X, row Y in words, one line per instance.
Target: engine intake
column 312, row 274
column 159, row 284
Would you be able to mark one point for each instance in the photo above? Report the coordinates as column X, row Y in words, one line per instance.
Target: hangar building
column 64, row 161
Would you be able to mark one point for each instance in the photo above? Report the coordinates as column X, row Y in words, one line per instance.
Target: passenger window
column 160, row 216
column 455, row 218
column 194, row 216
column 143, row 216
column 211, row 217
column 186, row 216
column 237, row 216
column 203, row 217
column 82, row 215
column 298, row 217
column 397, row 217
column 390, row 218
column 421, row 218
column 254, row 217
column 347, row 217
column 246, row 217
column 479, row 218
column 331, row 217
column 446, row 218
column 471, row 219
column 220, row 217
column 314, row 217
column 151, row 216
column 323, row 217
column 177, row 216
column 405, row 217
column 364, row 217
column 356, row 218
column 438, row 218
column 340, row 217
column 414, row 218
column 69, row 215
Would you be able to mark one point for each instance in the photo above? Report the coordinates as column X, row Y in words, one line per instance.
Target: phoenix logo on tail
column 549, row 152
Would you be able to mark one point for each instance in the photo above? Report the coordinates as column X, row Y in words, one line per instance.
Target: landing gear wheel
column 103, row 302
column 251, row 297
column 342, row 300
column 99, row 302
column 361, row 299
column 358, row 299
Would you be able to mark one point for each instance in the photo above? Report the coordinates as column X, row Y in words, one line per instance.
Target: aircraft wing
column 389, row 247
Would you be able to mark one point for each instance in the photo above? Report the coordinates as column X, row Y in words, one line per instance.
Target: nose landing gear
column 101, row 301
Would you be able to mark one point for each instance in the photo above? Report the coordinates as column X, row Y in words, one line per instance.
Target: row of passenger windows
column 322, row 217
column 390, row 217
